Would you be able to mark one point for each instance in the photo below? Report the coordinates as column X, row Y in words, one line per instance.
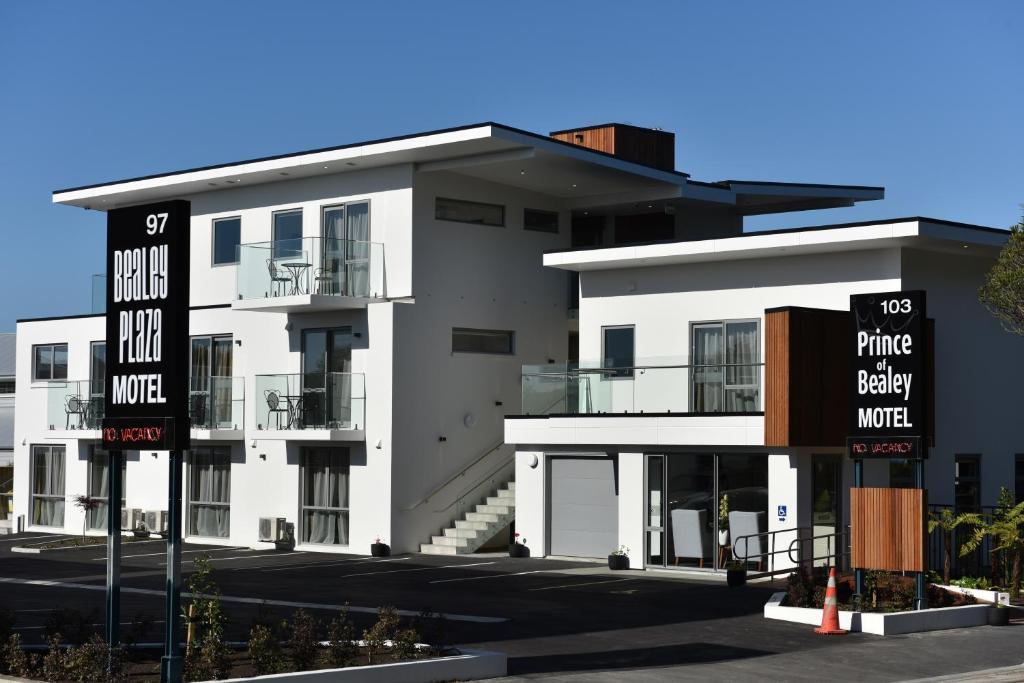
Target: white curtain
column 333, row 250
column 48, row 486
column 326, row 497
column 708, row 394
column 358, row 249
column 741, row 356
column 211, row 494
column 99, row 466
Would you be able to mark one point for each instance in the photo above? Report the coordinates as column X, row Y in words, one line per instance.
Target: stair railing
column 461, row 475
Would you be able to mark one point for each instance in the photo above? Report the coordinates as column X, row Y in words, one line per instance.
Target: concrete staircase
column 476, row 527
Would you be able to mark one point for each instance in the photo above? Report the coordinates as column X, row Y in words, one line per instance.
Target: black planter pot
column 618, row 562
column 140, row 534
column 999, row 616
column 736, row 577
column 518, row 550
column 380, row 549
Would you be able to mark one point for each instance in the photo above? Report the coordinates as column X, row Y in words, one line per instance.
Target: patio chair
column 326, row 280
column 750, row 524
column 279, row 280
column 690, row 535
column 277, row 404
column 74, row 405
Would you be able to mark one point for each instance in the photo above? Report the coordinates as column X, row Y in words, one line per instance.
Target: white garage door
column 584, row 506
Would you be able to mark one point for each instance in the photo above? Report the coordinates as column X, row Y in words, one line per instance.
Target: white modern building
column 714, row 369
column 7, row 381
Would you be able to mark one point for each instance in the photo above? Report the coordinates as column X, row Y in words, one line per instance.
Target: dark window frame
column 468, row 202
column 35, row 367
column 510, row 334
column 214, row 263
column 620, row 372
column 545, row 213
column 277, row 252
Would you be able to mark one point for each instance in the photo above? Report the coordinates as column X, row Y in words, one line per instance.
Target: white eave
column 920, row 233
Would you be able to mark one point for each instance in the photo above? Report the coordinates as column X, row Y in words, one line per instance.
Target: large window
column 967, row 483
column 287, row 234
column 99, row 490
column 49, row 361
column 210, row 384
column 618, row 350
column 466, row 340
column 209, row 492
column 345, row 258
column 539, row 220
column 6, row 492
column 227, row 235
column 462, row 211
column 725, row 367
column 48, row 486
column 325, row 496
column 1018, row 478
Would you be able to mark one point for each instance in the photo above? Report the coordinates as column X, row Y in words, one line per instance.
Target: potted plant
column 999, row 615
column 619, row 559
column 518, row 548
column 379, row 548
column 723, row 520
column 140, row 531
column 735, row 573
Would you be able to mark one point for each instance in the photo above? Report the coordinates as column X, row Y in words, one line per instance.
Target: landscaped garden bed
column 76, row 542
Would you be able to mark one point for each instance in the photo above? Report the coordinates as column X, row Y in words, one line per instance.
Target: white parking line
column 324, row 564
column 183, row 552
column 420, row 569
column 251, row 601
column 491, row 576
column 30, row 538
column 574, row 585
column 239, row 557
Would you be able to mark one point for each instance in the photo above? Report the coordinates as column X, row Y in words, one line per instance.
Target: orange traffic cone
column 830, row 615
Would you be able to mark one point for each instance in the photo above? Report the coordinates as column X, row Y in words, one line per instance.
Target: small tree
column 1007, row 534
column 1003, row 291
column 206, row 656
column 86, row 505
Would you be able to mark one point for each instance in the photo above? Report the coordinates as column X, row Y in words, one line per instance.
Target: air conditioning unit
column 137, row 518
column 156, row 520
column 273, row 529
column 125, row 518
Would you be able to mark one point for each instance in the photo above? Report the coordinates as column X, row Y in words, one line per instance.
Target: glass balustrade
column 311, row 265
column 650, row 386
column 333, row 400
column 73, row 405
column 216, row 402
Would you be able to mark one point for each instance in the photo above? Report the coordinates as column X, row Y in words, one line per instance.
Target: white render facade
column 637, row 461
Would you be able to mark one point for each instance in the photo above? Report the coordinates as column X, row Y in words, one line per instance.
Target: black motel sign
column 146, row 393
column 889, row 375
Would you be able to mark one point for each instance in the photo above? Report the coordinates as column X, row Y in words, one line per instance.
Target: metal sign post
column 114, row 494
column 171, row 663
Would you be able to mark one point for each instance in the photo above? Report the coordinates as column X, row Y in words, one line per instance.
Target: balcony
column 654, row 387
column 216, row 408
column 74, row 408
column 309, row 274
column 312, row 406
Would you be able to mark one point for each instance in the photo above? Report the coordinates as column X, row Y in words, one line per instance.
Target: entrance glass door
column 826, row 473
column 326, row 377
column 655, row 519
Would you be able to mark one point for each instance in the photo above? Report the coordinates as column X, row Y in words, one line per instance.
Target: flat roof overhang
column 919, row 233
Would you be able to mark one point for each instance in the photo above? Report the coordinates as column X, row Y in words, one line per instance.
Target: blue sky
column 925, row 98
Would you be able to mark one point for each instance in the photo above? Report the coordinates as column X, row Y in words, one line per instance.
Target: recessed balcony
column 309, row 274
column 216, row 408
column 74, row 408
column 314, row 406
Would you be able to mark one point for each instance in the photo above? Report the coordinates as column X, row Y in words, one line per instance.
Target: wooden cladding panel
column 806, row 377
column 640, row 145
column 887, row 529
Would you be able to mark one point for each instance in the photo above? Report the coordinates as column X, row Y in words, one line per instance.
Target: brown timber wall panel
column 601, row 139
column 806, row 377
column 656, row 148
column 887, row 529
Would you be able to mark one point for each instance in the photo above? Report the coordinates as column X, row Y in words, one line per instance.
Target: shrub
column 403, row 645
column 433, row 630
column 384, row 630
column 55, row 667
column 799, row 589
column 264, row 651
column 206, row 656
column 13, row 659
column 302, row 641
column 341, row 648
column 88, row 662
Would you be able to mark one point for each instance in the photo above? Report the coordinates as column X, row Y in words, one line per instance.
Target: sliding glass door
column 345, row 258
column 99, row 490
column 726, row 369
column 211, row 386
column 327, row 377
column 325, row 496
column 209, row 492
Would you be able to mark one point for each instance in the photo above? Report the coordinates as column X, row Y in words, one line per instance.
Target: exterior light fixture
column 534, row 461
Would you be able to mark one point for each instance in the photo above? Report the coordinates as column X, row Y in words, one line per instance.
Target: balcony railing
column 652, row 387
column 333, row 400
column 99, row 293
column 74, row 405
column 311, row 265
column 216, row 403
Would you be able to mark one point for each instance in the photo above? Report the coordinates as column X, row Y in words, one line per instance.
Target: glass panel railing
column 655, row 386
column 311, row 265
column 333, row 400
column 99, row 294
column 73, row 405
column 216, row 402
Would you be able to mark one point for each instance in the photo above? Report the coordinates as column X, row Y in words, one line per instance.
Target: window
column 466, row 340
column 1018, row 479
column 617, row 350
column 325, row 496
column 99, row 467
column 97, row 368
column 7, row 386
column 967, row 483
column 725, row 368
column 345, row 250
column 227, row 235
column 902, row 474
column 6, row 492
column 327, row 380
column 49, row 361
column 461, row 211
column 48, row 486
column 542, row 221
column 209, row 492
column 287, row 234
column 211, row 402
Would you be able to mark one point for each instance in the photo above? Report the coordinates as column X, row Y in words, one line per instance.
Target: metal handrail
column 460, row 473
column 840, row 551
column 473, row 487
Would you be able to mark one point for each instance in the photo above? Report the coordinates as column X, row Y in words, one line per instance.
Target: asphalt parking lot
column 559, row 620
